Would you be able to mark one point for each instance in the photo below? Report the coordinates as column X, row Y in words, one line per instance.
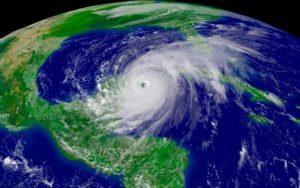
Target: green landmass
column 5, row 43
column 297, row 121
column 87, row 20
column 256, row 94
column 260, row 119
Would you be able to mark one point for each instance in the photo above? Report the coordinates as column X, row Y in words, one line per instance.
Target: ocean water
column 30, row 158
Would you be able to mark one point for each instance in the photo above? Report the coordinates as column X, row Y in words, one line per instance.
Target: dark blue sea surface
column 275, row 56
column 216, row 135
column 72, row 71
column 272, row 157
column 40, row 163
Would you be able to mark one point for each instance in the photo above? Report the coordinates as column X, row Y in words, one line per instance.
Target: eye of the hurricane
column 145, row 84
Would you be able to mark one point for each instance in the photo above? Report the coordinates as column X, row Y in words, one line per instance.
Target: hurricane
column 152, row 94
column 160, row 85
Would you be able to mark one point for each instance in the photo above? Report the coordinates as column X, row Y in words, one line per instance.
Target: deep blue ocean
column 35, row 149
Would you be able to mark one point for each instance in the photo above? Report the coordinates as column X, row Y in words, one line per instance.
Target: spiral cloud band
column 143, row 79
column 158, row 94
column 160, row 84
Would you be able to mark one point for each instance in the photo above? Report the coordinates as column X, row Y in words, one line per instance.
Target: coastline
column 38, row 138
